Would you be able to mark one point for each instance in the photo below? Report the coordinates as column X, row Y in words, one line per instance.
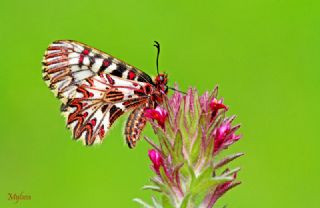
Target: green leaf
column 185, row 201
column 163, row 187
column 177, row 148
column 153, row 188
column 164, row 176
column 195, row 151
column 204, row 186
column 204, row 120
column 192, row 175
column 169, row 130
column 144, row 204
column 194, row 122
column 187, row 111
column 198, row 196
column 203, row 176
column 231, row 172
column 150, row 141
column 170, row 121
column 198, row 150
column 164, row 143
column 166, row 202
column 184, row 170
column 206, row 174
column 227, row 160
column 183, row 127
column 209, row 151
column 156, row 203
column 214, row 93
column 169, row 110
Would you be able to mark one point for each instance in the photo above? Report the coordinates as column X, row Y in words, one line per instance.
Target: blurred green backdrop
column 263, row 54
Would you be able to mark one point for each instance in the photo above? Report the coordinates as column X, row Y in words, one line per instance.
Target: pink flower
column 158, row 114
column 225, row 136
column 216, row 105
column 156, row 159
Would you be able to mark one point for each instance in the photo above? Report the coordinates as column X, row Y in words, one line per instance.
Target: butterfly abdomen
column 135, row 124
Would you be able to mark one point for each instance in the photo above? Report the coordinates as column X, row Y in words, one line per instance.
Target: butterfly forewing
column 67, row 64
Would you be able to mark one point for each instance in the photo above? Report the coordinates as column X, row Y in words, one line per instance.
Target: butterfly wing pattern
column 95, row 89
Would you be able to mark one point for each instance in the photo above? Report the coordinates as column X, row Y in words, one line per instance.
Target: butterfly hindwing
column 67, row 64
column 98, row 102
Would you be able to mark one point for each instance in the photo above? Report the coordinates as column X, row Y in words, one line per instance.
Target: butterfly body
column 95, row 89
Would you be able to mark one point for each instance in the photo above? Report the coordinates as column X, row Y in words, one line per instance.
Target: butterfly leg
column 134, row 126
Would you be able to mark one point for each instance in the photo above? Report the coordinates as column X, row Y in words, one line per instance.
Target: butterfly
column 96, row 88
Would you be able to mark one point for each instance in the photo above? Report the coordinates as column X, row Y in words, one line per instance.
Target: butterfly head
column 161, row 83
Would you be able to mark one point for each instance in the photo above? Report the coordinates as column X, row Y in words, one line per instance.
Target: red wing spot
column 101, row 131
column 90, row 94
column 85, row 51
column 85, row 114
column 135, row 84
column 110, row 80
column 93, row 122
column 131, row 75
column 105, row 63
column 81, row 59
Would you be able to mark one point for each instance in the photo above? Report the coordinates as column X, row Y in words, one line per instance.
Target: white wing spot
column 97, row 64
column 86, row 61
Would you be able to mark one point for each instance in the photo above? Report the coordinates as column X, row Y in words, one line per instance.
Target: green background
column 263, row 54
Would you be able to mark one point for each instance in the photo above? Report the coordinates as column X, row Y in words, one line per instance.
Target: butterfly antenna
column 174, row 89
column 157, row 45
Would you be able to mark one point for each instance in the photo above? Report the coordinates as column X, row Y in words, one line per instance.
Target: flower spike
column 192, row 130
